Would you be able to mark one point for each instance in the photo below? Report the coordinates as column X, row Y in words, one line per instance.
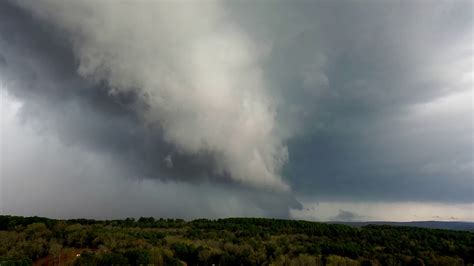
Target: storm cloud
column 258, row 103
column 209, row 124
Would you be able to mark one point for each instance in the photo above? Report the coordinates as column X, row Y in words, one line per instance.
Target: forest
column 231, row 241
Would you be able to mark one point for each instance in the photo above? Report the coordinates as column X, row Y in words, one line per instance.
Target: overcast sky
column 318, row 110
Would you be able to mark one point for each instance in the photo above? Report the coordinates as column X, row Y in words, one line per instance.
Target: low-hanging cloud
column 196, row 77
column 71, row 181
column 321, row 101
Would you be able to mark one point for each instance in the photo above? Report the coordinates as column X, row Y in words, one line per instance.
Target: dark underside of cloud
column 38, row 68
column 42, row 72
column 332, row 102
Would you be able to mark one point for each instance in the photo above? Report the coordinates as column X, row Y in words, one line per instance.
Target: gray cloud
column 90, row 115
column 390, row 79
column 87, row 113
column 201, row 82
column 3, row 62
column 43, row 175
column 346, row 216
column 328, row 101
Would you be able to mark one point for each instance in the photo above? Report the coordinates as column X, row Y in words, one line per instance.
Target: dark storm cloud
column 43, row 73
column 3, row 62
column 356, row 78
column 367, row 98
column 360, row 58
column 353, row 166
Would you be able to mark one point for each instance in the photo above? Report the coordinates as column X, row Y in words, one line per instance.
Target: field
column 232, row 241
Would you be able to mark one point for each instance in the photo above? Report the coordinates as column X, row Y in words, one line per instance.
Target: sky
column 315, row 110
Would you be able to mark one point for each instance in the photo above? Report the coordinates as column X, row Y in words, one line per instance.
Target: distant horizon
column 230, row 217
column 467, row 226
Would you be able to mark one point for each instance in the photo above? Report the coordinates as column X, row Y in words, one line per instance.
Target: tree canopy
column 232, row 241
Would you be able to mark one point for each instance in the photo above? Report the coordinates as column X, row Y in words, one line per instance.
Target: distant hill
column 462, row 226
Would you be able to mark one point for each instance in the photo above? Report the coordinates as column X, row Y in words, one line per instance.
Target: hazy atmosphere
column 314, row 110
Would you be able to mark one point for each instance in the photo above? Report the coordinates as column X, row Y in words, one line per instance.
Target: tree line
column 231, row 241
